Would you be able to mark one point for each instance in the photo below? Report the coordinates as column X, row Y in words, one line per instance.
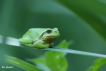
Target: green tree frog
column 39, row 37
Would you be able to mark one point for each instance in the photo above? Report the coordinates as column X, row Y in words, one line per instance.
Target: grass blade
column 22, row 64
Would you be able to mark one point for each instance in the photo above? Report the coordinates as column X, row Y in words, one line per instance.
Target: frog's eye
column 49, row 31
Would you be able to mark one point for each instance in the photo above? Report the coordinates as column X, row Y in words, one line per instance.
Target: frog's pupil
column 49, row 31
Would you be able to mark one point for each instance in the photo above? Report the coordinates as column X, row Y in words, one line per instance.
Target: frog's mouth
column 51, row 37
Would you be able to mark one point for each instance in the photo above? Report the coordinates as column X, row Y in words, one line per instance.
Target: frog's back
column 34, row 32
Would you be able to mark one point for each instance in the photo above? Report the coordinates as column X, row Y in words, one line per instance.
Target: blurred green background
column 83, row 21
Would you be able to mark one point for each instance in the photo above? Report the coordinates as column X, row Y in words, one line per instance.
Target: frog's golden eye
column 49, row 31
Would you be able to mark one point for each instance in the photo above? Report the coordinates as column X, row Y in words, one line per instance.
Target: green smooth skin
column 39, row 37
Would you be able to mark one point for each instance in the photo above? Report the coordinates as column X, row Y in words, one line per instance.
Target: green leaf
column 22, row 64
column 55, row 61
column 37, row 60
column 64, row 44
column 97, row 64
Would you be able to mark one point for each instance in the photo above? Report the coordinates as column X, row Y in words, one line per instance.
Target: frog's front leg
column 40, row 44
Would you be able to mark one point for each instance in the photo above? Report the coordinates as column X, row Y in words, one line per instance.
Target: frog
column 39, row 37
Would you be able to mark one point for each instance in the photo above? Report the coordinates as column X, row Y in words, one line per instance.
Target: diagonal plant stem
column 14, row 42
column 77, row 52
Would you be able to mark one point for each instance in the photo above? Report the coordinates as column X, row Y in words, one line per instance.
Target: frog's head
column 50, row 35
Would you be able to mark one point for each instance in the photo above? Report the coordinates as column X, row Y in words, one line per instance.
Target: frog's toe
column 37, row 45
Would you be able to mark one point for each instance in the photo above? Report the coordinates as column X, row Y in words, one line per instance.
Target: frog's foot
column 28, row 45
column 40, row 45
column 51, row 45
